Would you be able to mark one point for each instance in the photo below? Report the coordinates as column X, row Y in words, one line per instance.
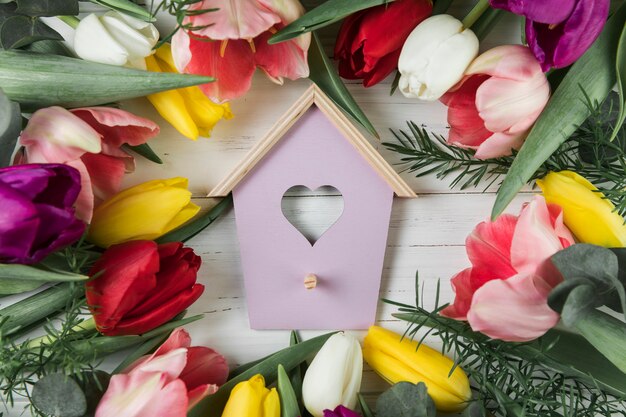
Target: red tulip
column 505, row 293
column 138, row 286
column 167, row 383
column 369, row 42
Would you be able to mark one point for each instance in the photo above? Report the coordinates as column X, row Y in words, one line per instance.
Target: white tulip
column 115, row 39
column 334, row 377
column 435, row 57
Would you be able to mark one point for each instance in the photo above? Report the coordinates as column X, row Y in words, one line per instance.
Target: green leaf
column 290, row 357
column 475, row 409
column 486, row 22
column 127, row 7
column 405, row 399
column 59, row 395
column 620, row 69
column 10, row 127
column 146, row 151
column 607, row 334
column 198, row 224
column 47, row 7
column 35, row 273
column 296, row 375
column 327, row 13
column 17, row 286
column 441, row 6
column 49, row 47
column 19, row 31
column 324, row 74
column 365, row 409
column 94, row 384
column 38, row 80
column 595, row 73
column 288, row 400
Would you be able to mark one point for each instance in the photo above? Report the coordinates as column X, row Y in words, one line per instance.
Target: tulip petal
column 118, row 127
column 233, row 70
column 91, row 38
column 106, row 174
column 201, row 391
column 170, row 364
column 135, row 36
column 515, row 310
column 500, row 144
column 246, row 398
column 535, row 240
column 17, row 231
column 464, row 290
column 284, row 59
column 233, row 19
column 85, row 200
column 58, row 228
column 112, row 298
column 544, row 11
column 164, row 313
column 143, row 394
column 204, row 366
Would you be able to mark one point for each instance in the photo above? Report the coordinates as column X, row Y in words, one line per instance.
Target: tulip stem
column 73, row 21
column 474, row 14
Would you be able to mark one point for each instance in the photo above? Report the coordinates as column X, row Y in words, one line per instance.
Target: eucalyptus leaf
column 51, row 47
column 213, row 405
column 405, row 399
column 620, row 69
column 59, row 395
column 594, row 73
column 327, row 13
column 47, row 7
column 10, row 127
column 19, row 31
column 324, row 74
column 288, row 401
column 198, row 224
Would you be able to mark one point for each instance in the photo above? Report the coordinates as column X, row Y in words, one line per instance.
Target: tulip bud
column 397, row 359
column 115, row 39
column 143, row 212
column 435, row 57
column 334, row 376
column 252, row 399
column 586, row 212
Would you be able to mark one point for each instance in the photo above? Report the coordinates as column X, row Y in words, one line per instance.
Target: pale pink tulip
column 167, row 383
column 232, row 42
column 492, row 109
column 88, row 139
column 504, row 294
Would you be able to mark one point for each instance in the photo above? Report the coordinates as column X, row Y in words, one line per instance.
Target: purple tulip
column 37, row 217
column 559, row 32
column 340, row 411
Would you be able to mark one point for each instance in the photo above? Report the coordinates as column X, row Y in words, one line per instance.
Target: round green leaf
column 59, row 395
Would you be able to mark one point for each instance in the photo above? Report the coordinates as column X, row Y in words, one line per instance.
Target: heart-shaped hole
column 312, row 213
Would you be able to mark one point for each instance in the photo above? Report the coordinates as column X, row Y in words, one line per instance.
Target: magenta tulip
column 497, row 103
column 559, row 31
column 340, row 411
column 37, row 211
column 504, row 294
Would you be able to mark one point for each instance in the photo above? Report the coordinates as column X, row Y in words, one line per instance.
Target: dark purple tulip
column 36, row 211
column 559, row 32
column 542, row 11
column 340, row 411
column 560, row 45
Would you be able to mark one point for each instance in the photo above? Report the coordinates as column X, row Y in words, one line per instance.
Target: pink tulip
column 504, row 294
column 232, row 42
column 493, row 108
column 88, row 139
column 167, row 383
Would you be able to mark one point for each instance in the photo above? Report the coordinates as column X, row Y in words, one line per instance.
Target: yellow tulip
column 397, row 359
column 252, row 399
column 586, row 212
column 145, row 211
column 187, row 109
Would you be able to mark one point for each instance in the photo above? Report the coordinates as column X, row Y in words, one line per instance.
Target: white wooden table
column 426, row 233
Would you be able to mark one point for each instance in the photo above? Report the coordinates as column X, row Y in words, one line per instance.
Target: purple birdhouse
column 292, row 282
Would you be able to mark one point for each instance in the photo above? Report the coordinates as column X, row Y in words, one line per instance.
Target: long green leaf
column 288, row 400
column 38, row 80
column 195, row 226
column 146, row 151
column 324, row 74
column 32, row 273
column 17, row 286
column 620, row 68
column 127, row 7
column 325, row 14
column 594, row 73
column 213, row 405
column 10, row 127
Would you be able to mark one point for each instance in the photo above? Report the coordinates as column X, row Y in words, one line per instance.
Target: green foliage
column 146, row 151
column 10, row 127
column 620, row 69
column 405, row 399
column 566, row 110
column 324, row 74
column 288, row 400
column 179, row 9
column 365, row 409
column 59, row 395
column 127, row 7
column 560, row 374
column 325, row 14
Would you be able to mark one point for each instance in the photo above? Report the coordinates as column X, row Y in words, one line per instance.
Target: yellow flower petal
column 248, row 398
column 271, row 404
column 591, row 217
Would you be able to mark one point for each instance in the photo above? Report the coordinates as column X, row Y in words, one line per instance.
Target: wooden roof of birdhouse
column 314, row 95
